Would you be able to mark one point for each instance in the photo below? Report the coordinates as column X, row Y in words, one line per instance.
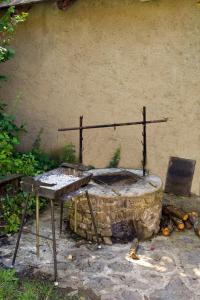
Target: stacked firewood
column 174, row 218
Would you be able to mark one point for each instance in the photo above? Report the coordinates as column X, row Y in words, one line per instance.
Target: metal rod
column 81, row 140
column 75, row 215
column 20, row 231
column 144, row 162
column 37, row 226
column 61, row 216
column 114, row 125
column 54, row 240
column 40, row 235
column 92, row 216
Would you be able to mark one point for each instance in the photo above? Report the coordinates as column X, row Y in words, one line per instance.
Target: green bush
column 114, row 162
column 44, row 161
column 11, row 160
column 14, row 162
column 69, row 154
column 12, row 207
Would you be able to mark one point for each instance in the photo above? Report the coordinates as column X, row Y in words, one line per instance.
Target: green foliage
column 12, row 207
column 114, row 162
column 44, row 161
column 8, row 22
column 8, row 284
column 69, row 154
column 12, row 288
column 12, row 161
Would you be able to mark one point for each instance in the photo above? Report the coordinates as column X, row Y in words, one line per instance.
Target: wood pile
column 174, row 218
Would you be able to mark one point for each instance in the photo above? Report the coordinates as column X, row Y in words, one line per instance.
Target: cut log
column 195, row 220
column 133, row 249
column 193, row 216
column 175, row 212
column 197, row 227
column 166, row 225
column 178, row 223
column 188, row 224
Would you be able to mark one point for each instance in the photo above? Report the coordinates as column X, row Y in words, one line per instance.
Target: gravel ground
column 168, row 269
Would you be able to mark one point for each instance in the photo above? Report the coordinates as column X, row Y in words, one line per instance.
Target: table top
column 55, row 183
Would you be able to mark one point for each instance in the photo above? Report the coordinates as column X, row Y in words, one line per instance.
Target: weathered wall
column 105, row 60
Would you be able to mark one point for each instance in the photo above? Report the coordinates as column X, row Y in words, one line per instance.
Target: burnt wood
column 123, row 231
column 121, row 177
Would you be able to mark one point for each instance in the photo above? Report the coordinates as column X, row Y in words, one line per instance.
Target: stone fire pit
column 125, row 205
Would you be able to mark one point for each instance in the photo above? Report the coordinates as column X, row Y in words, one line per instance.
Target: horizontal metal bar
column 114, row 125
column 39, row 235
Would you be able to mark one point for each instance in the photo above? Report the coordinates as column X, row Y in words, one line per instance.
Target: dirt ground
column 168, row 269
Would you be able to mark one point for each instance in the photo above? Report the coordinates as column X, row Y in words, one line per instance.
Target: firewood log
column 175, row 212
column 188, row 224
column 178, row 223
column 197, row 227
column 166, row 225
column 133, row 249
column 193, row 216
column 195, row 220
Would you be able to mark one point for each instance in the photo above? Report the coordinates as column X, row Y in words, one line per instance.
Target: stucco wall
column 105, row 60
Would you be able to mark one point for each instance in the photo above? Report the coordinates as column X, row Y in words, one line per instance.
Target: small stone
column 107, row 240
column 83, row 226
column 73, row 294
column 71, row 257
column 106, row 232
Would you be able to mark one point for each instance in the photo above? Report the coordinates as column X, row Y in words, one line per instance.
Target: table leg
column 61, row 216
column 37, row 226
column 20, row 231
column 54, row 241
column 75, row 215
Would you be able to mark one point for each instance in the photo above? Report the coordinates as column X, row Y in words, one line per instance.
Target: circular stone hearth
column 125, row 205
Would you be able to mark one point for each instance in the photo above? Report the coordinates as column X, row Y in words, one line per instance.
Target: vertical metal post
column 54, row 240
column 92, row 216
column 75, row 215
column 81, row 141
column 37, row 226
column 61, row 216
column 20, row 231
column 144, row 161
